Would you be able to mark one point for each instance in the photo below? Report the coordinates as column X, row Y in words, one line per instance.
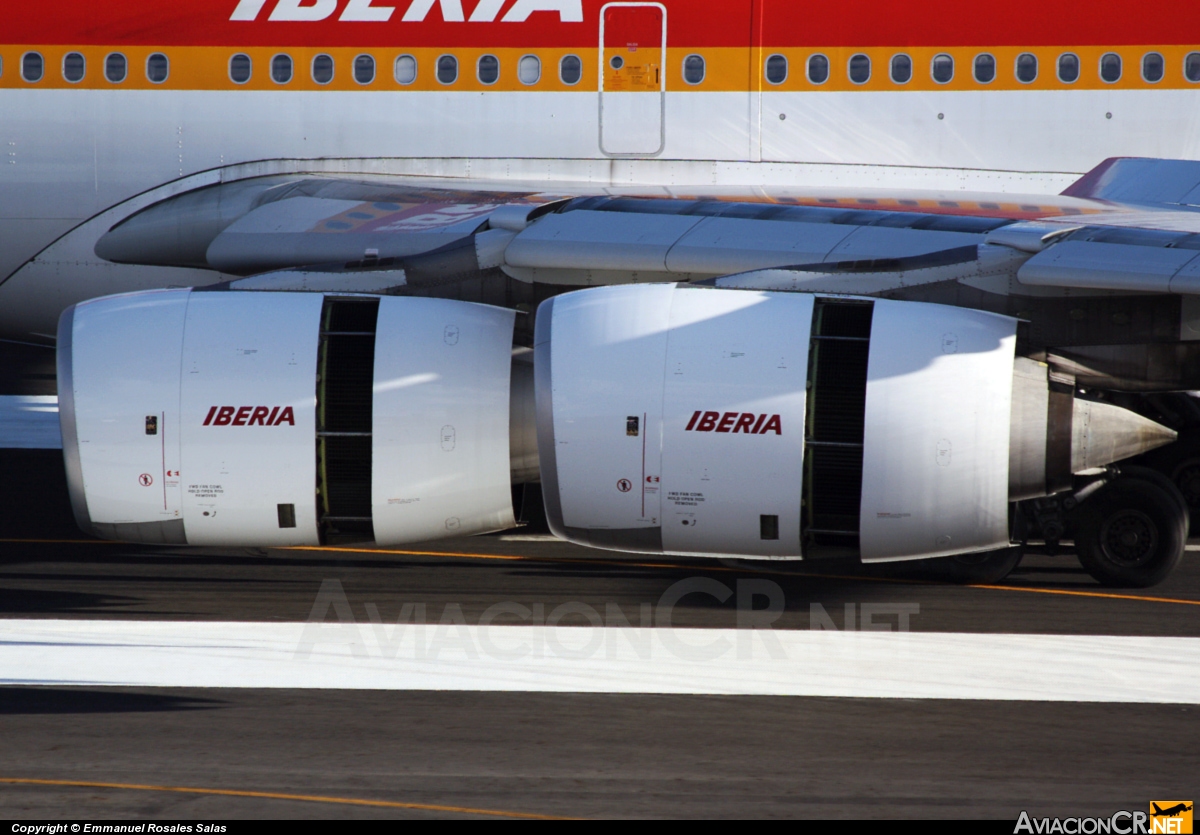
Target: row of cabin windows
column 74, row 67
column 570, row 68
column 983, row 68
column 241, row 68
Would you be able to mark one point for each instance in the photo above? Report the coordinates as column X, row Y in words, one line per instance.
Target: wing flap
column 1112, row 266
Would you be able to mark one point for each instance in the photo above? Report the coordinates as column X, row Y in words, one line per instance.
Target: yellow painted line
column 748, row 569
column 1074, row 593
column 636, row 564
column 516, row 557
column 309, row 798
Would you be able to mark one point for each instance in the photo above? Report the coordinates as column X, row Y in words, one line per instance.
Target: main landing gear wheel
column 986, row 567
column 1167, row 486
column 1180, row 464
column 1133, row 532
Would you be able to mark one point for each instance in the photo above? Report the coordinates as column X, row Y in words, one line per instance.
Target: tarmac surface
column 212, row 753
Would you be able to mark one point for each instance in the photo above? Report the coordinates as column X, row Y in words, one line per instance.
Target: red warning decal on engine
column 250, row 416
column 747, row 422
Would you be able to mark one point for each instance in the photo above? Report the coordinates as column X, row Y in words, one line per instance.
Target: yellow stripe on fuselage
column 727, row 69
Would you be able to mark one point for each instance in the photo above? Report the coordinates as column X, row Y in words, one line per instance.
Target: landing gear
column 1132, row 532
column 1180, row 463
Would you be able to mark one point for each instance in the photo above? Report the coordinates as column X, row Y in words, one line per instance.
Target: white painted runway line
column 920, row 665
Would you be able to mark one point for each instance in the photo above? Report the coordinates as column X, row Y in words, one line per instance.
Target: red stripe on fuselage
column 690, row 23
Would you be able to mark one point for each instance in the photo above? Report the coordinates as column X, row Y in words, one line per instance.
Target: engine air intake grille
column 345, row 377
column 833, row 436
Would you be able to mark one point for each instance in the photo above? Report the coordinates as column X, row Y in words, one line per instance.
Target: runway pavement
column 200, row 752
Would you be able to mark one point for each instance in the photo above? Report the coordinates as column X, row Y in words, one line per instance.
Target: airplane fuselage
column 103, row 102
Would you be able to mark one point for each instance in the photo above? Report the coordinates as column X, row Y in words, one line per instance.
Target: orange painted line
column 468, row 555
column 636, row 564
column 724, row 568
column 1073, row 593
column 308, row 798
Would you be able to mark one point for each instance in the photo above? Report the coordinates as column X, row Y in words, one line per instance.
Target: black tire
column 1185, row 475
column 1180, row 462
column 1132, row 533
column 1168, row 486
column 986, row 567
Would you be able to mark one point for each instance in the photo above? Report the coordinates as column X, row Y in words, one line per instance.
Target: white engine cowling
column 663, row 419
column 698, row 421
column 220, row 418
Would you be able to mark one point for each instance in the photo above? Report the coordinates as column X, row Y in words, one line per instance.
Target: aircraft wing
column 1126, row 227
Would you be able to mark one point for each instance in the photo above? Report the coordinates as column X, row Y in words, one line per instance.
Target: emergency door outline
column 604, row 58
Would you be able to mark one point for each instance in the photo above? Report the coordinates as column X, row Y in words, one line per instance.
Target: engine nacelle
column 662, row 418
column 708, row 422
column 216, row 418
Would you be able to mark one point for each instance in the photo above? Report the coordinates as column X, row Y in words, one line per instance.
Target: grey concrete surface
column 561, row 754
column 588, row 755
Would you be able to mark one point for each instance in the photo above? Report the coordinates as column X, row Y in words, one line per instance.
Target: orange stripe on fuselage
column 727, row 69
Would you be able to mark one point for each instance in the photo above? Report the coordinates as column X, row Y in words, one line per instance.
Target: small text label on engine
column 250, row 416
column 747, row 422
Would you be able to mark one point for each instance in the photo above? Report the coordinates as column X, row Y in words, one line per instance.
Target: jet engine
column 662, row 419
column 690, row 420
column 222, row 418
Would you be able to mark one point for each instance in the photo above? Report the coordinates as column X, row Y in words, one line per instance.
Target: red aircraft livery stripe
column 575, row 23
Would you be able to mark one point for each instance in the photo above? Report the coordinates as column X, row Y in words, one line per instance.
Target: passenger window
column 693, row 69
column 115, row 67
column 942, row 68
column 74, row 67
column 364, row 69
column 322, row 69
column 818, row 69
column 406, row 69
column 1110, row 67
column 1152, row 67
column 777, row 69
column 901, row 68
column 1068, row 68
column 488, row 69
column 32, row 66
column 529, row 69
column 985, row 68
column 157, row 68
column 281, row 69
column 1191, row 67
column 447, row 69
column 860, row 68
column 1026, row 68
column 570, row 69
column 239, row 68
